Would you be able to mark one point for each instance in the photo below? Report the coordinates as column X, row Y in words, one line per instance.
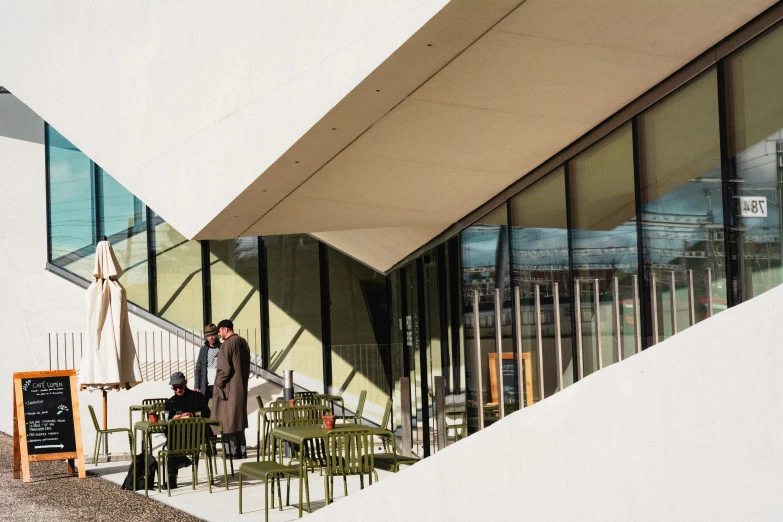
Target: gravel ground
column 54, row 496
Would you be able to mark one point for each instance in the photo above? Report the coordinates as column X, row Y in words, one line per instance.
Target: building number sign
column 755, row 206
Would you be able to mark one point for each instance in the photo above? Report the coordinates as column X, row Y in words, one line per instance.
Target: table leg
column 146, row 444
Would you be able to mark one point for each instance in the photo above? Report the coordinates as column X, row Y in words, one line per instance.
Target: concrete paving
column 52, row 495
column 222, row 505
column 55, row 496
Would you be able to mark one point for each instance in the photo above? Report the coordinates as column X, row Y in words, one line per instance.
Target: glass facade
column 665, row 221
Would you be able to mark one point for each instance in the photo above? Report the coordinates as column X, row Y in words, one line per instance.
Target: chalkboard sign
column 48, row 415
column 511, row 380
column 47, row 425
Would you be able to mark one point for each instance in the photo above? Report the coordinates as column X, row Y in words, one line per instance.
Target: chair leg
column 361, row 481
column 345, row 485
column 95, row 453
column 326, row 488
column 307, row 491
column 279, row 494
column 266, row 499
column 240, row 493
column 210, row 477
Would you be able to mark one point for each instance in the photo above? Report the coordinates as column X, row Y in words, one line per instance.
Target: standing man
column 206, row 364
column 229, row 399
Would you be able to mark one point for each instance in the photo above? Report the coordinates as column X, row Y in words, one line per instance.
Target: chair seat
column 115, row 430
column 386, row 461
column 262, row 470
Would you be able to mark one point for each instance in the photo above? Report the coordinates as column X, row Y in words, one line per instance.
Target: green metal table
column 303, row 434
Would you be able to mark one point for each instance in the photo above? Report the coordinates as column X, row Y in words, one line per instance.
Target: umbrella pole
column 105, row 424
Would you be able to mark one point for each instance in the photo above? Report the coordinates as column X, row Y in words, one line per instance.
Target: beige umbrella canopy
column 109, row 360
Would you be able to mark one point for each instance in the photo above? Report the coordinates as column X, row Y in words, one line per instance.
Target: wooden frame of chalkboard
column 47, row 424
column 492, row 359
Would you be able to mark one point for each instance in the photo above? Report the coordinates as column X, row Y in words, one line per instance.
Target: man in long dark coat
column 229, row 396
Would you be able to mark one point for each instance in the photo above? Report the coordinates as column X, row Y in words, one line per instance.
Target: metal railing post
column 499, row 351
column 691, row 309
column 654, row 298
column 518, row 328
column 477, row 337
column 405, row 406
column 580, row 372
column 440, row 410
column 597, row 318
column 637, row 334
column 709, row 292
column 673, row 300
column 618, row 342
column 539, row 350
column 558, row 341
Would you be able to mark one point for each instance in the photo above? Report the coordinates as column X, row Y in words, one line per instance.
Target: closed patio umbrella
column 110, row 361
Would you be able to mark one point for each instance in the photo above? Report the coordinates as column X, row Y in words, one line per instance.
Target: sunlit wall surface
column 539, row 257
column 72, row 217
column 755, row 114
column 682, row 206
column 604, row 244
column 234, row 287
column 295, row 309
column 359, row 314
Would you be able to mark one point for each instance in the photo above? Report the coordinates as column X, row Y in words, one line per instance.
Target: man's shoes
column 237, row 456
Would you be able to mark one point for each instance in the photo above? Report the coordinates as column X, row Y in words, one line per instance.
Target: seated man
column 184, row 403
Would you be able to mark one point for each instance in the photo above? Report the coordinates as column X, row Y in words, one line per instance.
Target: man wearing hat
column 206, row 364
column 184, row 403
column 229, row 401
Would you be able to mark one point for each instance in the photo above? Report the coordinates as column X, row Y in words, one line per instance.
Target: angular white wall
column 35, row 302
column 688, row 430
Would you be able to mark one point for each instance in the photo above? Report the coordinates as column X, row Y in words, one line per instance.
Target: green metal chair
column 357, row 416
column 391, row 461
column 268, row 472
column 269, row 418
column 185, row 437
column 102, row 434
column 460, row 428
column 349, row 451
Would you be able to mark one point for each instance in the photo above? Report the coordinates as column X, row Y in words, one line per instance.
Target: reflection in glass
column 124, row 223
column 234, row 288
column 485, row 267
column 539, row 256
column 682, row 212
column 71, row 206
column 178, row 283
column 360, row 333
column 295, row 309
column 604, row 242
column 754, row 76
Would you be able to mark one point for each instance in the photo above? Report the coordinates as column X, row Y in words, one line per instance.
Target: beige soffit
column 541, row 77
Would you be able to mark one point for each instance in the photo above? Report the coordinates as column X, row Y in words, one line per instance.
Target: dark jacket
column 190, row 402
column 201, row 381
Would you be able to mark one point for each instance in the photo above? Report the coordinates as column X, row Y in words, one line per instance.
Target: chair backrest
column 360, row 406
column 187, row 434
column 94, row 419
column 386, row 420
column 305, row 394
column 146, row 402
column 302, row 416
column 350, row 452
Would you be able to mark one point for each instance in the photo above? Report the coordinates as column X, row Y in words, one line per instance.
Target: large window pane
column 484, row 268
column 178, row 267
column 360, row 333
column 71, row 206
column 754, row 76
column 234, row 288
column 682, row 213
column 604, row 240
column 539, row 256
column 124, row 223
column 295, row 309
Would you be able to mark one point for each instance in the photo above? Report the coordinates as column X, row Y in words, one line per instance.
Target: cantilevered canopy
column 373, row 125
